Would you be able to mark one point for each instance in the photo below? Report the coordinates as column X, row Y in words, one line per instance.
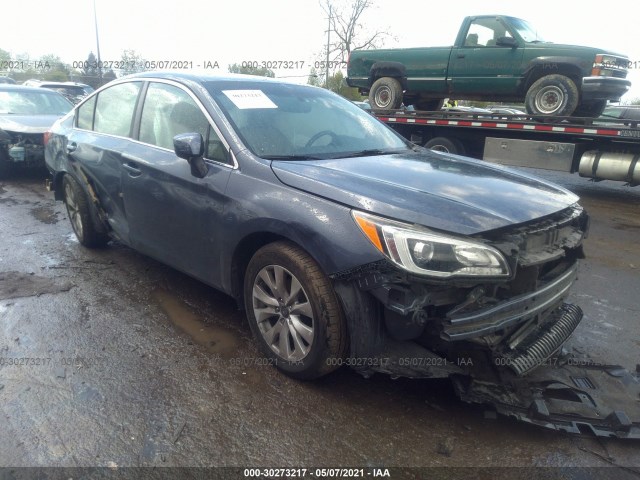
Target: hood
column 550, row 49
column 27, row 123
column 437, row 190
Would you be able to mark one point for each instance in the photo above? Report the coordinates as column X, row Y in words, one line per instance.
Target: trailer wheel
column 386, row 93
column 552, row 95
column 447, row 145
column 590, row 109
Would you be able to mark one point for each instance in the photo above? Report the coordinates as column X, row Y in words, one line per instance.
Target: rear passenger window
column 85, row 115
column 115, row 107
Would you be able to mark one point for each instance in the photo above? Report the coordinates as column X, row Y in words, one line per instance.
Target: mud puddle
column 18, row 284
column 214, row 339
column 45, row 214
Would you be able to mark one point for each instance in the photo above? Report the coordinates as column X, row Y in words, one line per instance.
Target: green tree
column 51, row 67
column 250, row 70
column 348, row 30
column 89, row 73
column 338, row 85
column 133, row 62
column 4, row 56
column 108, row 76
column 314, row 78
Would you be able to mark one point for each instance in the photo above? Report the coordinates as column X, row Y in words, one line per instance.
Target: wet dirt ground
column 131, row 363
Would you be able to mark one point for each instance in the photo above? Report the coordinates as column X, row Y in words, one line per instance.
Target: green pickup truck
column 496, row 58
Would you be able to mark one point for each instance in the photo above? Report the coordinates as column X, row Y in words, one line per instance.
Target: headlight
column 421, row 251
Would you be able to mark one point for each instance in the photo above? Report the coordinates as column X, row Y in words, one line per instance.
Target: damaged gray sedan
column 344, row 243
column 26, row 113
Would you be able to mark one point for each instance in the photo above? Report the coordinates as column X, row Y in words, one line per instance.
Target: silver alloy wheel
column 73, row 209
column 549, row 99
column 383, row 97
column 283, row 313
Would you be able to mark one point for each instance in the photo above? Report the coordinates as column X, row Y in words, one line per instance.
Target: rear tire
column 552, row 95
column 78, row 210
column 385, row 94
column 446, row 145
column 294, row 312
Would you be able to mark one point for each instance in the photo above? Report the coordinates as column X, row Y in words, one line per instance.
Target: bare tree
column 347, row 30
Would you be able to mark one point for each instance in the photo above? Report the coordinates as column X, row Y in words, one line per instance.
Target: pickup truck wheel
column 293, row 311
column 590, row 109
column 552, row 95
column 386, row 93
column 447, row 145
column 79, row 214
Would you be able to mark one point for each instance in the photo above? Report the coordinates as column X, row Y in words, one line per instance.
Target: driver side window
column 484, row 32
column 169, row 111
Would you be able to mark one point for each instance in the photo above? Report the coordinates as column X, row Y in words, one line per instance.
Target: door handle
column 71, row 147
column 132, row 169
column 460, row 55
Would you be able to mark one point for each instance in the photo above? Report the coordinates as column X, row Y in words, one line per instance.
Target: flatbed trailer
column 600, row 149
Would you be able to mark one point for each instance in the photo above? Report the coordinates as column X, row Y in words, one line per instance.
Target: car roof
column 6, row 87
column 41, row 83
column 200, row 76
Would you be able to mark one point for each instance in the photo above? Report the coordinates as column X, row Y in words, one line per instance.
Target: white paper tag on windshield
column 249, row 99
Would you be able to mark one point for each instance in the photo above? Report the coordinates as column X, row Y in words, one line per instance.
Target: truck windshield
column 525, row 30
column 287, row 121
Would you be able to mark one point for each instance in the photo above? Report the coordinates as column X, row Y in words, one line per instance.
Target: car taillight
column 47, row 136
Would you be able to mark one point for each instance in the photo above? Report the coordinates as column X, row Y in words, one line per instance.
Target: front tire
column 385, row 94
column 552, row 95
column 294, row 312
column 78, row 210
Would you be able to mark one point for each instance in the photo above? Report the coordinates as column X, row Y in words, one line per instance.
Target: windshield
column 33, row 103
column 295, row 121
column 525, row 30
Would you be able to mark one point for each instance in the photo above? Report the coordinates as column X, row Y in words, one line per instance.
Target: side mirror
column 507, row 42
column 190, row 146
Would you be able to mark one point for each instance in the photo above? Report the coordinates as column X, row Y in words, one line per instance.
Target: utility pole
column 95, row 21
column 326, row 70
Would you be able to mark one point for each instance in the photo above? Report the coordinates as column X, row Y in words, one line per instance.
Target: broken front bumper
column 516, row 310
column 601, row 400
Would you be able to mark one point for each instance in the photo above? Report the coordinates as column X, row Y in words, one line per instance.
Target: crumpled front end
column 516, row 323
column 22, row 148
column 499, row 341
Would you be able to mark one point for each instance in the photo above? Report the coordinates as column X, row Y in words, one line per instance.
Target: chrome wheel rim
column 549, row 99
column 383, row 97
column 73, row 209
column 283, row 313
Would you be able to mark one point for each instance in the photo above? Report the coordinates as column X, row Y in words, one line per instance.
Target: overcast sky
column 288, row 30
